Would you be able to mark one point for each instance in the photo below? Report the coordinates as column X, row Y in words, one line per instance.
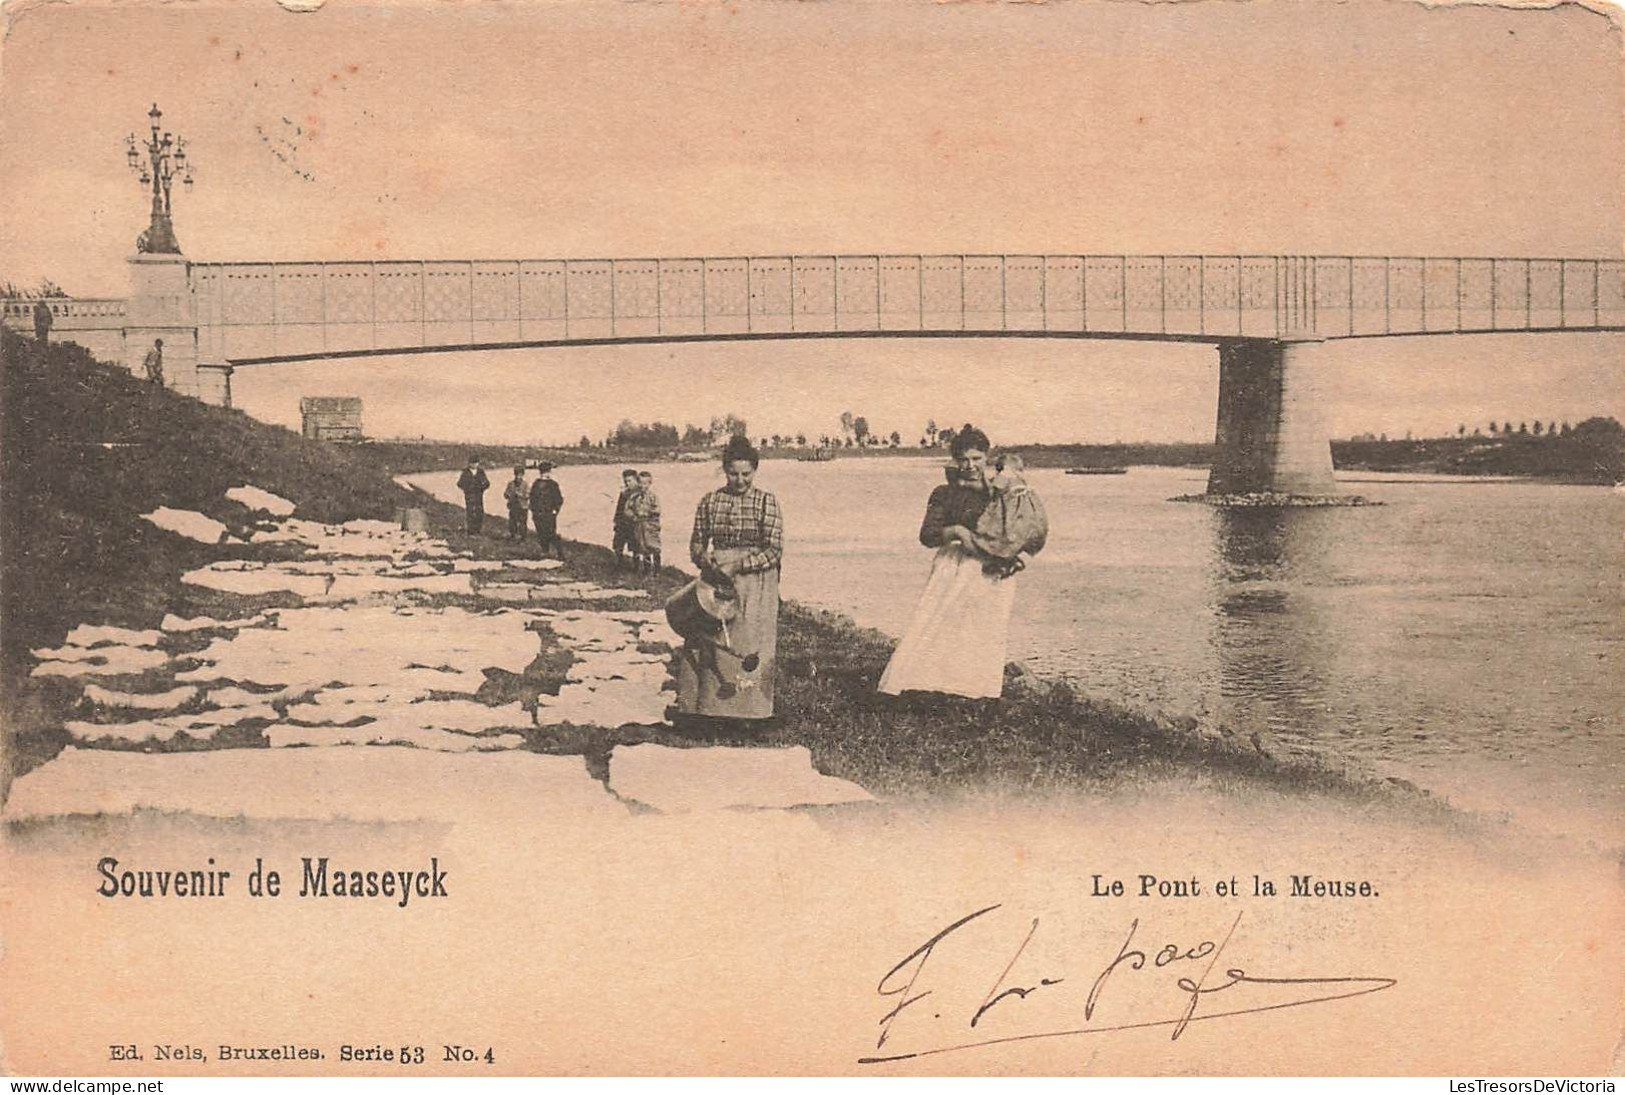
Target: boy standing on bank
column 473, row 483
column 546, row 499
column 645, row 506
column 516, row 495
column 623, row 515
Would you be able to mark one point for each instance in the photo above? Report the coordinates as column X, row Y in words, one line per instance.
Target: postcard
column 764, row 538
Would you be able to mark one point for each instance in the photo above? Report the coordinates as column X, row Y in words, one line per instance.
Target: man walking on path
column 515, row 494
column 546, row 499
column 623, row 515
column 154, row 362
column 474, row 484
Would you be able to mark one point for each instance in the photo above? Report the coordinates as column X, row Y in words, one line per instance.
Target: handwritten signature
column 905, row 985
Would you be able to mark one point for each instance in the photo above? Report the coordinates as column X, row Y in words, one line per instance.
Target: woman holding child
column 984, row 524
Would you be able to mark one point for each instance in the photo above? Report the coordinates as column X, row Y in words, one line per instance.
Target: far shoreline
column 1591, row 460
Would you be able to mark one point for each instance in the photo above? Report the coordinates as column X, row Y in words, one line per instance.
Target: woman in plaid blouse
column 738, row 540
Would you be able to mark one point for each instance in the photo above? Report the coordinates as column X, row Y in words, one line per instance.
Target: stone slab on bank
column 350, row 783
column 674, row 780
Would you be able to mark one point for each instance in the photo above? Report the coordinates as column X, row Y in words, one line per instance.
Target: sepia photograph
column 766, row 538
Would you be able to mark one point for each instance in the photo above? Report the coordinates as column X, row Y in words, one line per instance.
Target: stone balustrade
column 73, row 313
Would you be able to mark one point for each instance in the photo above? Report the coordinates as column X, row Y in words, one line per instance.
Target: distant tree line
column 46, row 288
column 663, row 435
column 1591, row 451
column 1596, row 426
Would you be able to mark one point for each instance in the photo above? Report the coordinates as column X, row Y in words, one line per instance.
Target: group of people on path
column 984, row 523
column 541, row 499
column 637, row 522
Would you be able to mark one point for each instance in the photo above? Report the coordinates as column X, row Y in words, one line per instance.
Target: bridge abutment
column 161, row 306
column 1271, row 434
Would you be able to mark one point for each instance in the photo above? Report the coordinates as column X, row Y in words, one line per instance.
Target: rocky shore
column 1272, row 500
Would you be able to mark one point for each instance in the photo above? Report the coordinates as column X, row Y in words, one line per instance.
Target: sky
column 589, row 129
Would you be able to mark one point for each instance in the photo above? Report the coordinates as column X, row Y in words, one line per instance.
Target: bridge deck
column 279, row 311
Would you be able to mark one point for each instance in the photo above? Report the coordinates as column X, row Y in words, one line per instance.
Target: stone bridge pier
column 162, row 306
column 1271, row 435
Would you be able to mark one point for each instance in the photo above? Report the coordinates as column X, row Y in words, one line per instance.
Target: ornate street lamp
column 165, row 161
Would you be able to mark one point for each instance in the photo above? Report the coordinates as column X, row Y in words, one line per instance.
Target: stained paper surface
column 1276, row 785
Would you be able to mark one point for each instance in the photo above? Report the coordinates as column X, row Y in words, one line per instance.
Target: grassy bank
column 87, row 449
column 1595, row 458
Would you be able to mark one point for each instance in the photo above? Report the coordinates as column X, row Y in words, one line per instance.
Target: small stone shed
column 331, row 417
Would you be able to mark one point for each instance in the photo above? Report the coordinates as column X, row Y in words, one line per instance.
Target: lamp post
column 165, row 161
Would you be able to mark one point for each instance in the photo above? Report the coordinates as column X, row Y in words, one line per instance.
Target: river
column 1466, row 636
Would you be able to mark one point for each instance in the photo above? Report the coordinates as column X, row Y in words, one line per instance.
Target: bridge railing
column 249, row 311
column 65, row 311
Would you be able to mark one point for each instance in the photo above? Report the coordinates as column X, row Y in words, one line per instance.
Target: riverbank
column 98, row 449
column 1592, row 455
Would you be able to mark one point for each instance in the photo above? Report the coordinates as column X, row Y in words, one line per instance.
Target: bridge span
column 1268, row 315
column 253, row 313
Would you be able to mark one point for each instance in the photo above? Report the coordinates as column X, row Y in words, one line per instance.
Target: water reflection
column 1270, row 638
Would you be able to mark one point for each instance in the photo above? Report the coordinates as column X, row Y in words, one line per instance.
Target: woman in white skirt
column 955, row 643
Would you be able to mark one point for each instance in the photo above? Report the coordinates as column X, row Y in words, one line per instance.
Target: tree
column 1538, row 427
column 695, row 437
column 1567, row 429
column 584, row 443
column 641, row 435
column 729, row 425
column 945, row 437
column 896, row 439
column 45, row 288
column 1599, row 428
column 801, row 440
column 1493, row 429
column 847, row 423
column 860, row 430
column 930, row 432
column 1461, row 429
column 1523, row 428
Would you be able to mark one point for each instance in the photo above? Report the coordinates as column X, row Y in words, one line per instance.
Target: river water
column 1467, row 636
